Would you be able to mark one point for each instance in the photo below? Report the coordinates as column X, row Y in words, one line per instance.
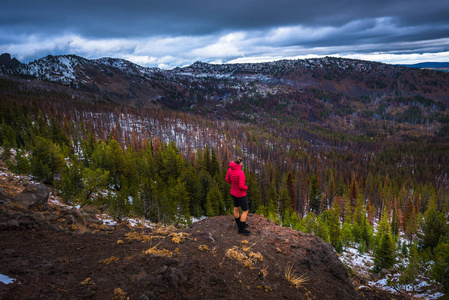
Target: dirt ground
column 206, row 261
column 56, row 252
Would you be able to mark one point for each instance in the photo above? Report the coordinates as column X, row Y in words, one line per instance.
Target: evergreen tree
column 346, row 233
column 70, row 182
column 384, row 254
column 214, row 165
column 180, row 193
column 207, row 160
column 46, row 160
column 213, row 200
column 440, row 269
column 322, row 230
column 272, row 209
column 334, row 225
column 433, row 227
column 411, row 272
column 395, row 222
column 314, row 195
column 253, row 193
column 22, row 163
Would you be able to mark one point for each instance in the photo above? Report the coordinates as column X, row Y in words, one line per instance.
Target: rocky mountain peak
column 7, row 62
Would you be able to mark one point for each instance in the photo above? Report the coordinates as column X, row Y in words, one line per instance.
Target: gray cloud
column 153, row 31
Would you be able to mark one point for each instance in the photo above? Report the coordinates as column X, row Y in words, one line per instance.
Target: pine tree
column 314, row 195
column 433, row 227
column 46, row 160
column 412, row 270
column 346, row 233
column 213, row 200
column 207, row 160
column 181, row 195
column 384, row 254
column 291, row 191
column 22, row 163
column 334, row 225
column 214, row 166
column 395, row 222
column 272, row 209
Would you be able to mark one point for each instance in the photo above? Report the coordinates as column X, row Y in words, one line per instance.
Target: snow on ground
column 422, row 289
column 6, row 280
column 362, row 264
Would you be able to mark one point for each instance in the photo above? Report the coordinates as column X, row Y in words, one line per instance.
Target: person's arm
column 228, row 177
column 242, row 184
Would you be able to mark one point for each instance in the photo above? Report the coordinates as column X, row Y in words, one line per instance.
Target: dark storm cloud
column 221, row 30
column 115, row 18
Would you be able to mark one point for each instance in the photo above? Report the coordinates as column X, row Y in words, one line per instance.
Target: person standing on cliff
column 236, row 178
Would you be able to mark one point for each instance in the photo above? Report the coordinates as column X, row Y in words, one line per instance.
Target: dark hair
column 238, row 160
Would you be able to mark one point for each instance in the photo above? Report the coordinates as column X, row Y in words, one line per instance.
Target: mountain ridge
column 328, row 92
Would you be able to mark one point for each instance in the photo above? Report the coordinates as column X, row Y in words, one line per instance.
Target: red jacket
column 236, row 178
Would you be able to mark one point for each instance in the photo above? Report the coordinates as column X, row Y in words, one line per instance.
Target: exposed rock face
column 32, row 196
column 7, row 62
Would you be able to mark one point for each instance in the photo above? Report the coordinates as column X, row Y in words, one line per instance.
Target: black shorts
column 241, row 201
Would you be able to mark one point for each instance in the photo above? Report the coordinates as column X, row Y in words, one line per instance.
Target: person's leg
column 236, row 212
column 243, row 216
column 245, row 208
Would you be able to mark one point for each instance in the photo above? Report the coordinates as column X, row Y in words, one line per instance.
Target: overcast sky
column 171, row 33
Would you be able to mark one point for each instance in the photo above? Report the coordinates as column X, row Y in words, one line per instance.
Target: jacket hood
column 234, row 166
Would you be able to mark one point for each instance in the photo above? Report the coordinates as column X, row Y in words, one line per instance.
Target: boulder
column 32, row 196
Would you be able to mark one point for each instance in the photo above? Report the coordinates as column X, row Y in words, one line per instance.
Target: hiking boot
column 242, row 229
column 237, row 221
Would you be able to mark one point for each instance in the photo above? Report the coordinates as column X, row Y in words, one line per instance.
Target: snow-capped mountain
column 121, row 81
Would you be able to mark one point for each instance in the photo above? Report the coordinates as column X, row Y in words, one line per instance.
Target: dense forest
column 169, row 166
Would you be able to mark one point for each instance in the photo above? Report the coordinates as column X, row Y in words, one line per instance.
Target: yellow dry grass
column 87, row 281
column 256, row 256
column 297, row 281
column 247, row 261
column 109, row 260
column 162, row 251
column 246, row 248
column 119, row 294
column 178, row 237
column 203, row 248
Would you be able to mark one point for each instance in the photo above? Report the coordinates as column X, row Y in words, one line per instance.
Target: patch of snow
column 6, row 280
column 109, row 222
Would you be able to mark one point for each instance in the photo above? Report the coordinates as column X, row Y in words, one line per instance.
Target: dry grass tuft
column 164, row 230
column 109, row 260
column 256, row 256
column 119, row 295
column 246, row 248
column 178, row 237
column 249, row 262
column 263, row 273
column 203, row 248
column 162, row 251
column 87, row 281
column 297, row 281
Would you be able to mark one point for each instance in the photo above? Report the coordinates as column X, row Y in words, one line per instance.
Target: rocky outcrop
column 7, row 62
column 33, row 196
